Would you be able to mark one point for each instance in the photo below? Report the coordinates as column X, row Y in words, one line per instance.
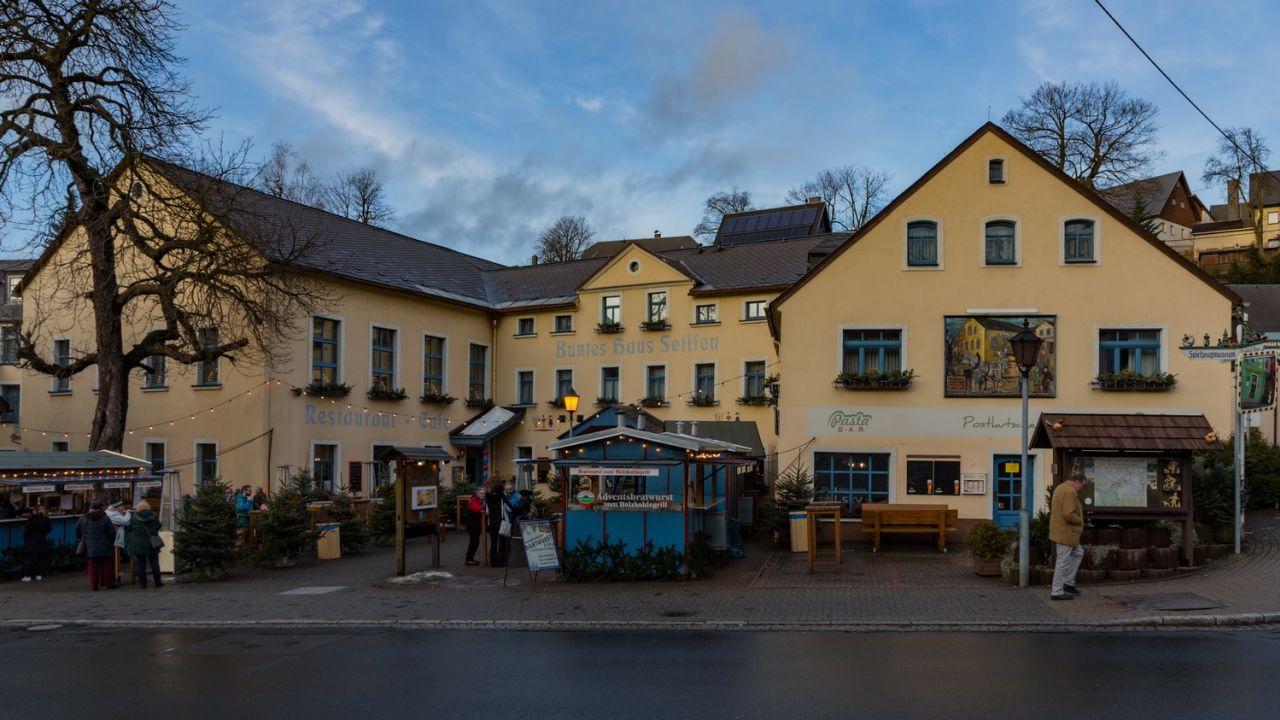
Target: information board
column 1119, row 482
column 539, row 545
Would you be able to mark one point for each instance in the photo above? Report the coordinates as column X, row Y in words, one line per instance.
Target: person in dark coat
column 143, row 526
column 521, row 504
column 99, row 536
column 472, row 520
column 35, row 544
column 496, row 502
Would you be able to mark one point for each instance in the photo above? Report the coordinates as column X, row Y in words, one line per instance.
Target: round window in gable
column 634, row 267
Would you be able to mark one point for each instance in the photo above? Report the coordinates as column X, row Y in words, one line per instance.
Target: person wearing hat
column 97, row 536
column 1066, row 523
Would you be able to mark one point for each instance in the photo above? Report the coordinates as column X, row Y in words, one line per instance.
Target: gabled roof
column 487, row 425
column 993, row 129
column 684, row 442
column 663, row 258
column 1149, row 195
column 773, row 224
column 658, row 244
column 1100, row 431
column 1262, row 305
column 768, row 265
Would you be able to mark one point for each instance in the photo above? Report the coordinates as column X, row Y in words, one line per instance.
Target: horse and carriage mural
column 980, row 362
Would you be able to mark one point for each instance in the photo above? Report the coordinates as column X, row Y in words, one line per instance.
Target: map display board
column 1119, row 482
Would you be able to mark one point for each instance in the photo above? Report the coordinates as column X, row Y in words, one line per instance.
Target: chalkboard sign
column 539, row 545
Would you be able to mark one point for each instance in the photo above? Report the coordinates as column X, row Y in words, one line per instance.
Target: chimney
column 534, row 261
column 640, row 420
column 693, row 428
column 620, row 418
column 815, row 200
column 1233, row 199
column 679, row 427
column 657, row 233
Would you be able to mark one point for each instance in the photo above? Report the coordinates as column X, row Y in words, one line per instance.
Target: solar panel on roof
column 809, row 216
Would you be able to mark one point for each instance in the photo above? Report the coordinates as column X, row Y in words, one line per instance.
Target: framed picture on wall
column 980, row 362
column 424, row 497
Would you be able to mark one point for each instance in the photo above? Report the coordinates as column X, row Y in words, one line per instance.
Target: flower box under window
column 378, row 392
column 703, row 401
column 607, row 328
column 899, row 380
column 653, row 401
column 604, row 402
column 655, row 325
column 1129, row 381
column 557, row 403
column 755, row 400
column 327, row 390
column 437, row 399
column 479, row 402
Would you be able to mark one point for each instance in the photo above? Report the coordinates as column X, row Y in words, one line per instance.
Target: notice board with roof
column 1137, row 467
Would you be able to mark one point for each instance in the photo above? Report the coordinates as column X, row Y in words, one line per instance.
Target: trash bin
column 799, row 531
column 329, row 544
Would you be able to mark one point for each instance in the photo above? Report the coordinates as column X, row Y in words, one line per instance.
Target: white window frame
column 573, row 379
column 902, row 334
column 516, row 378
column 1004, row 167
column 742, row 386
column 1097, row 240
column 341, row 374
column 18, row 385
column 515, row 467
column 1273, row 217
column 906, row 223
column 601, row 306
column 395, row 353
column 666, row 382
column 666, row 302
column 53, row 382
column 716, row 305
column 163, row 442
column 715, row 378
column 444, row 360
column 533, row 325
column 763, row 317
column 12, row 282
column 488, row 368
column 1017, row 240
column 1163, row 328
column 195, row 453
column 600, row 380
column 337, row 460
column 54, row 443
column 572, row 324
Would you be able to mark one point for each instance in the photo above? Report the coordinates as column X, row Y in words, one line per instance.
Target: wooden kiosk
column 1138, row 466
column 416, row 472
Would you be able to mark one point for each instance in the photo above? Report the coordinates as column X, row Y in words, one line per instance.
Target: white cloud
column 592, row 104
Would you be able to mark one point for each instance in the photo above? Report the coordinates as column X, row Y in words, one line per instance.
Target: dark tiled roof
column 1150, row 194
column 762, row 265
column 754, row 226
column 549, row 283
column 1263, row 306
column 1086, row 431
column 13, row 265
column 609, row 248
column 1266, row 183
column 1217, row 226
column 732, row 431
column 342, row 247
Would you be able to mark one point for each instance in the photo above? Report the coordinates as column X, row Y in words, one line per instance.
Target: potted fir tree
column 285, row 527
column 987, row 544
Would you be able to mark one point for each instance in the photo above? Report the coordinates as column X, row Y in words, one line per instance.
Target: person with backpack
column 144, row 543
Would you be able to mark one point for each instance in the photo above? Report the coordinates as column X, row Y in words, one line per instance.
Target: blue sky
column 488, row 120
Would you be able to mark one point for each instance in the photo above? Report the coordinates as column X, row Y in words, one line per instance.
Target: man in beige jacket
column 1066, row 522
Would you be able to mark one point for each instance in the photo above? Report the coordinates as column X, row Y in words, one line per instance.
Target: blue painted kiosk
column 636, row 486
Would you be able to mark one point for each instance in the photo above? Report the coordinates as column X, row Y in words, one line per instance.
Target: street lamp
column 571, row 399
column 1026, row 346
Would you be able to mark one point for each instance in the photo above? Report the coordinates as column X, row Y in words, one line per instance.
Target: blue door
column 1008, row 488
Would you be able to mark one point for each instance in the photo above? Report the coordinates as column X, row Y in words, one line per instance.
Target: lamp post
column 1026, row 346
column 571, row 399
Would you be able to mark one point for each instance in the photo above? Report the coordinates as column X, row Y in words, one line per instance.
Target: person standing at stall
column 144, row 532
column 244, row 506
column 94, row 528
column 35, row 543
column 498, row 513
column 119, row 516
column 472, row 520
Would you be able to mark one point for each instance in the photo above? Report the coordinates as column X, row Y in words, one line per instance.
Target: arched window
column 922, row 243
column 1077, row 238
column 1001, row 249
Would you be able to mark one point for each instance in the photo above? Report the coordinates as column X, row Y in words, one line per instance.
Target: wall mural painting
column 980, row 362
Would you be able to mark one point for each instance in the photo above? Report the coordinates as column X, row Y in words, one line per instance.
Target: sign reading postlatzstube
column 596, row 471
column 539, row 545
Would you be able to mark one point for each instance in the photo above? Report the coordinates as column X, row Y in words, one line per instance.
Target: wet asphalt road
column 83, row 673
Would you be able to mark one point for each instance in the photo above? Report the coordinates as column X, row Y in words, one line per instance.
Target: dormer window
column 995, row 171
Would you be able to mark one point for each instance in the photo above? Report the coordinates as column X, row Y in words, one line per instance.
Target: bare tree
column 1095, row 133
column 285, row 176
column 565, row 239
column 716, row 207
column 1241, row 156
column 359, row 195
column 854, row 194
column 91, row 99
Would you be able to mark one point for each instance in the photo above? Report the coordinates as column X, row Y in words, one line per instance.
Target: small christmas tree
column 285, row 526
column 351, row 528
column 382, row 519
column 205, row 538
column 793, row 490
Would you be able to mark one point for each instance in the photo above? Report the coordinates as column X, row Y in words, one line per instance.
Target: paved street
column 376, row 674
column 906, row 586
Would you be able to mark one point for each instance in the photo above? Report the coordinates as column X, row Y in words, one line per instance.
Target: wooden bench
column 880, row 518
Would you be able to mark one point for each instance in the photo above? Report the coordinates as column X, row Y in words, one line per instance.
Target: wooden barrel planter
column 1157, row 573
column 1108, row 536
column 1088, row 577
column 1134, row 538
column 1159, row 537
column 1122, row 575
column 1089, row 537
column 1162, row 557
column 1044, row 576
column 1200, row 553
column 1132, row 558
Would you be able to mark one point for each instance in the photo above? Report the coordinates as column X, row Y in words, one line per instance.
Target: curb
column 1152, row 622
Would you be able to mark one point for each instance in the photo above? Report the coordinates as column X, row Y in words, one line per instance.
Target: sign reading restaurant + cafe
column 359, row 418
column 668, row 343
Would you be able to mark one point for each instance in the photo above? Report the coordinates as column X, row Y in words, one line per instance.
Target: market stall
column 65, row 483
column 638, row 487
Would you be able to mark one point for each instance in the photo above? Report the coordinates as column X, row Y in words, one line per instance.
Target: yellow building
column 968, row 253
column 11, row 272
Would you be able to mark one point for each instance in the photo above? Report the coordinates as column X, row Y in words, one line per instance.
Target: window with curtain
column 384, row 358
column 432, row 365
column 1001, row 247
column 753, row 378
column 872, row 351
column 922, row 243
column 1077, row 238
column 1133, row 350
column 524, row 387
column 478, row 372
column 324, row 351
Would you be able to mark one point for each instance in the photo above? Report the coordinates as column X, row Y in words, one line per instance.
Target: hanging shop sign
column 1257, row 382
column 38, row 488
column 71, row 487
column 116, row 485
column 148, row 484
column 596, row 471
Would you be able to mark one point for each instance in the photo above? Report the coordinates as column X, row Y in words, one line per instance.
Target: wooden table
column 812, row 514
column 880, row 518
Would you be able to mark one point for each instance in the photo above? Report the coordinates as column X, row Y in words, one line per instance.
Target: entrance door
column 1008, row 488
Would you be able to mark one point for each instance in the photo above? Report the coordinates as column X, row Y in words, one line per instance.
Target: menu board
column 539, row 545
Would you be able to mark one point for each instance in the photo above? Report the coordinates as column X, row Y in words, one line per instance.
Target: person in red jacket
column 472, row 520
